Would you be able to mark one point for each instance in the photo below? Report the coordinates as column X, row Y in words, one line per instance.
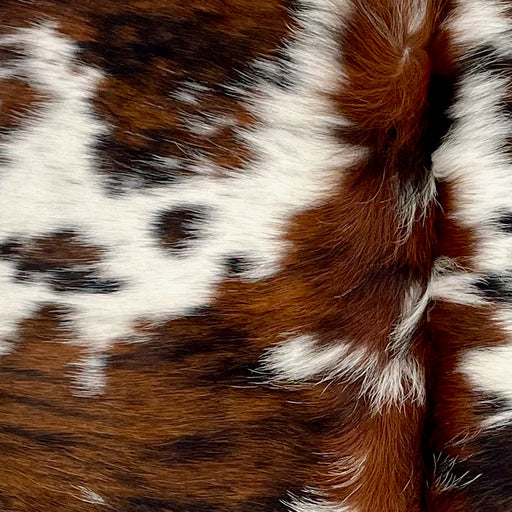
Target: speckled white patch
column 49, row 183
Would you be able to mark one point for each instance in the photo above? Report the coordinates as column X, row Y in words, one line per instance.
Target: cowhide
column 256, row 256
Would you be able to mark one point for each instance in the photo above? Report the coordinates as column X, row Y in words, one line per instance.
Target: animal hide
column 256, row 256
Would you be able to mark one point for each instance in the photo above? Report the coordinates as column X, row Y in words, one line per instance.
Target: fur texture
column 255, row 256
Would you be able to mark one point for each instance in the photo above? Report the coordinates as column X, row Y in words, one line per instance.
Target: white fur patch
column 88, row 496
column 417, row 13
column 90, row 376
column 190, row 93
column 347, row 470
column 401, row 380
column 482, row 22
column 413, row 205
column 472, row 157
column 414, row 305
column 457, row 288
column 310, row 505
column 490, row 370
column 49, row 182
column 314, row 503
column 302, row 359
column 474, row 161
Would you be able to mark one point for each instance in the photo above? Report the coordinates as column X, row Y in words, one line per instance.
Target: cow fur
column 255, row 256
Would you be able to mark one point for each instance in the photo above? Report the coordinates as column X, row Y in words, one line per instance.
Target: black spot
column 54, row 440
column 485, row 58
column 187, row 337
column 83, row 281
column 201, row 311
column 441, row 95
column 126, row 167
column 25, row 374
column 26, row 268
column 490, row 404
column 66, row 280
column 8, row 248
column 196, row 47
column 446, row 469
column 164, row 352
column 504, row 222
column 506, row 144
column 160, row 54
column 147, row 504
column 177, row 228
column 194, row 448
column 59, row 259
column 231, row 360
column 10, row 54
column 233, row 371
column 492, row 490
column 4, row 501
column 236, row 265
column 46, row 405
column 494, row 287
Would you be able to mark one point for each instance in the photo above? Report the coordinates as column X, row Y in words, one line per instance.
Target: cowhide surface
column 255, row 256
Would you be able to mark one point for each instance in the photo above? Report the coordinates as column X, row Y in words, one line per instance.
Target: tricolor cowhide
column 256, row 256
